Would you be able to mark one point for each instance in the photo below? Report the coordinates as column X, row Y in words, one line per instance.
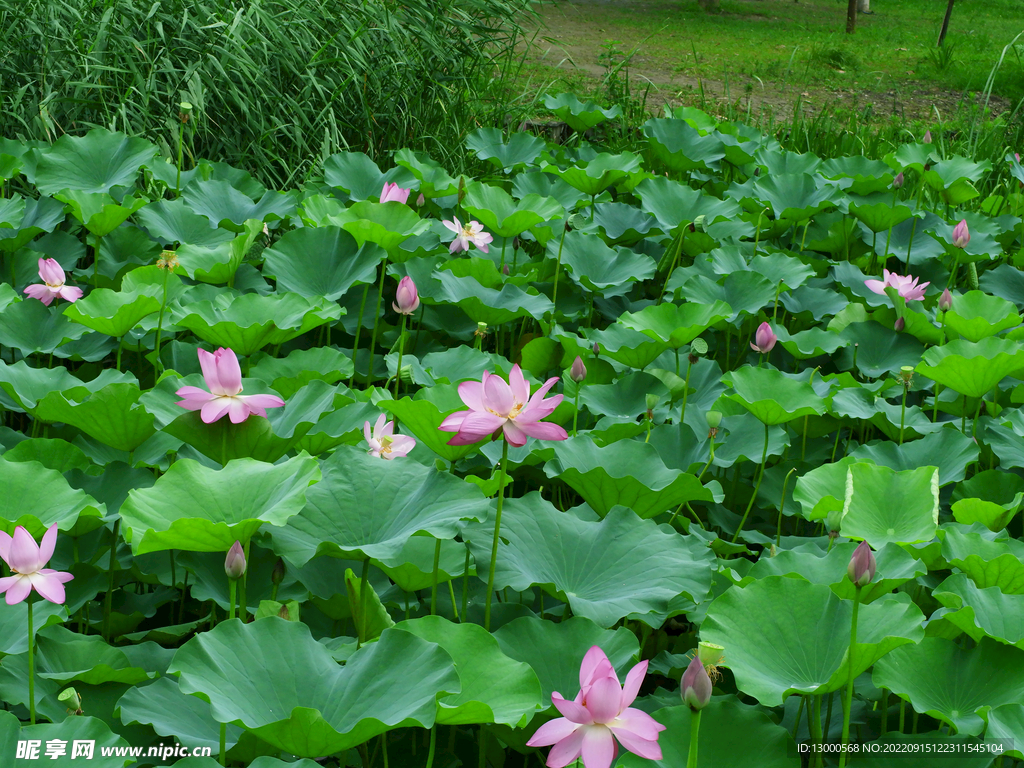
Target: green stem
column 359, row 327
column 814, row 718
column 497, row 532
column 691, row 760
column 433, row 743
column 576, row 413
column 96, row 262
column 157, row 365
column 782, row 506
column 903, row 413
column 465, row 585
column 361, row 624
column 885, row 711
column 120, row 346
column 243, row 606
column 31, row 668
column 181, row 141
column 376, row 320
column 223, row 743
column 672, row 265
column 760, row 477
column 849, row 679
column 110, row 580
column 433, row 587
column 401, row 351
column 232, row 593
column 558, row 268
column 799, row 712
column 686, row 389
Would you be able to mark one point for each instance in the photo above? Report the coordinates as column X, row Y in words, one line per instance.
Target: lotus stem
column 849, row 679
column 691, row 760
column 96, row 261
column 672, row 268
column 465, row 585
column 223, row 743
column 455, row 607
column 110, row 580
column 170, row 552
column 31, row 667
column 232, row 593
column 181, row 141
column 814, row 720
column 376, row 320
column 361, row 624
column 903, row 706
column 497, row 531
column 558, row 268
column 433, row 587
column 799, row 712
column 576, row 413
column 760, row 477
column 120, row 346
column 885, row 711
column 433, row 743
column 782, row 506
column 401, row 351
column 157, row 365
column 359, row 327
column 903, row 412
column 686, row 391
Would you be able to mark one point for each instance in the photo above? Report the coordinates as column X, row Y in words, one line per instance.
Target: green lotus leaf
column 731, row 733
column 480, row 303
column 250, row 322
column 988, row 563
column 113, row 415
column 520, row 149
column 91, row 731
column 555, row 651
column 14, row 624
column 879, row 216
column 675, row 324
column 951, row 684
column 981, row 612
column 286, row 375
column 992, row 498
column 96, row 162
column 26, row 386
column 339, row 427
column 772, row 396
column 794, row 196
column 879, row 350
column 368, row 613
column 320, row 261
column 675, row 204
column 595, row 176
column 502, row 215
column 422, row 418
column 682, row 147
column 495, row 688
column 39, row 216
column 884, row 506
column 972, row 368
column 626, row 398
column 599, row 575
column 297, row 698
column 385, row 224
column 823, row 489
column 949, row 175
column 579, row 115
column 412, row 568
column 29, row 326
column 976, row 315
column 1007, row 722
column 97, row 210
column 434, row 180
column 172, row 221
column 359, row 176
column 198, row 509
column 624, row 473
column 812, row 342
column 228, row 208
column 619, row 224
column 617, row 342
column 788, row 636
column 218, row 264
column 405, row 498
column 746, row 292
column 868, row 175
column 777, row 161
column 112, row 313
column 948, row 449
column 65, row 656
column 54, row 454
column 37, row 497
column 596, row 267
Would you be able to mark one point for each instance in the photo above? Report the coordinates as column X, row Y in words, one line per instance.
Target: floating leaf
column 884, row 506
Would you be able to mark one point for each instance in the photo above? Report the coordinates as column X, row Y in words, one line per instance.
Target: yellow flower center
column 385, row 444
column 55, row 285
column 468, row 230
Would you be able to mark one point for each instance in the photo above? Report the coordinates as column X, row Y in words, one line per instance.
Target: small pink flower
column 907, row 287
column 961, row 234
column 421, row 199
column 898, row 181
column 27, row 561
column 861, row 569
column 599, row 718
column 472, row 232
column 53, row 276
column 407, row 300
column 234, row 563
column 224, row 378
column 384, row 443
column 495, row 404
column 927, row 137
column 578, row 371
column 945, row 301
column 394, row 193
column 764, row 339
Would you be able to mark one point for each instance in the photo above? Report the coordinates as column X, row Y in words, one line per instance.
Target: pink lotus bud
column 234, row 563
column 597, row 349
column 961, row 235
column 927, row 137
column 406, row 298
column 421, row 199
column 696, row 687
column 861, row 569
column 394, row 193
column 505, row 270
column 578, row 371
column 899, row 325
column 898, row 181
column 764, row 339
column 946, row 301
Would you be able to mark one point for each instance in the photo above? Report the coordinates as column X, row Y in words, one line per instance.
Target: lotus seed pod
column 714, row 419
column 710, row 655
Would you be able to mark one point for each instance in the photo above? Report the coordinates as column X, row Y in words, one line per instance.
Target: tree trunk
column 851, row 17
column 945, row 23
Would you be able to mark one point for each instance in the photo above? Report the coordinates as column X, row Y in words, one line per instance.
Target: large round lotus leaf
column 434, row 180
column 812, row 342
column 172, row 221
column 65, row 656
column 951, row 684
column 624, row 473
column 794, row 196
column 556, row 650
column 746, row 291
column 218, row 264
column 194, row 508
column 626, row 398
column 989, row 563
column 320, row 261
column 976, row 315
column 823, row 489
column 880, row 350
column 785, row 636
column 480, row 303
column 676, row 324
column 96, row 162
column 981, row 612
column 369, row 507
column 421, row 418
column 98, row 211
column 675, row 204
column 991, row 498
column 412, row 569
column 972, row 368
column 595, row 176
column 170, row 712
column 619, row 223
column 618, row 343
column 1007, row 722
column 495, row 688
column 597, row 268
column 360, row 177
column 883, row 506
column 879, row 216
column 14, row 624
column 112, row 415
column 249, row 322
column 37, row 497
column 948, row 449
column 895, row 566
column 55, row 454
column 385, row 224
column 91, row 732
column 228, row 208
column 287, row 375
column 490, row 144
column 731, row 733
column 579, row 115
column 272, row 678
column 29, row 327
column 682, row 147
column 593, row 566
column 772, row 396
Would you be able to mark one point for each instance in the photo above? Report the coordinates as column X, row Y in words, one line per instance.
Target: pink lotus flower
column 234, row 563
column 927, row 137
column 598, row 716
column 421, row 199
column 578, row 371
column 764, row 339
column 224, row 378
column 407, row 300
column 495, row 405
column 26, row 561
column 945, row 301
column 472, row 232
column 384, row 443
column 907, row 287
column 394, row 193
column 961, row 235
column 898, row 181
column 52, row 274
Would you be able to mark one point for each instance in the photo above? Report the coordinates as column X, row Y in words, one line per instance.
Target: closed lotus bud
column 695, row 687
column 764, row 339
column 406, row 299
column 897, row 183
column 284, row 613
column 900, row 325
column 597, row 349
column 277, row 575
column 714, row 419
column 578, row 371
column 234, row 563
column 861, row 569
column 927, row 137
column 946, row 301
column 961, row 235
column 421, row 199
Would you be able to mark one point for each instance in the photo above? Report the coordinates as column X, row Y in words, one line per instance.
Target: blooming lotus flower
column 406, row 298
column 945, row 301
column 764, row 339
column 234, row 563
column 961, row 235
column 224, row 378
column 861, row 569
column 52, row 274
column 598, row 716
column 696, row 687
column 578, row 371
column 472, row 232
column 27, row 561
column 384, row 443
column 394, row 193
column 907, row 287
column 495, row 405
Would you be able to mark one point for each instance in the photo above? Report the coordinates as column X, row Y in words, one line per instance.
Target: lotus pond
column 404, row 469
